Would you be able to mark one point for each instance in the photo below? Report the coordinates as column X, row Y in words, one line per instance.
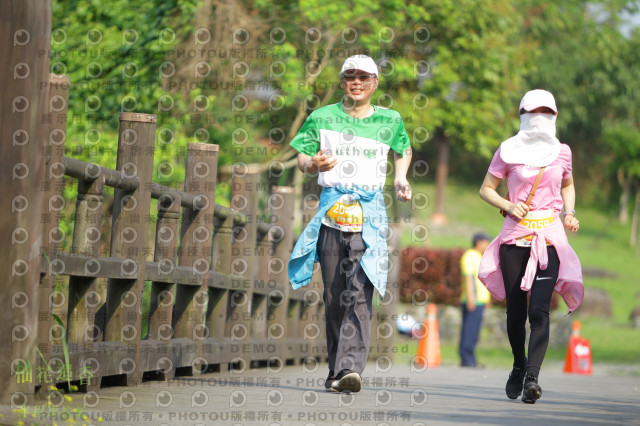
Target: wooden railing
column 219, row 292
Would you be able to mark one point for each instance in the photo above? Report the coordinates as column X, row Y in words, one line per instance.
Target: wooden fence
column 219, row 294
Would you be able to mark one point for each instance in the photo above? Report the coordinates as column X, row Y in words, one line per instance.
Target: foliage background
column 245, row 75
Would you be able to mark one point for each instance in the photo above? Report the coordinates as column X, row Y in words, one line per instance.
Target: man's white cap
column 538, row 98
column 360, row 62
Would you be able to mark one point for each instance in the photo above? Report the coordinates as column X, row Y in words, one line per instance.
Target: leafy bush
column 432, row 273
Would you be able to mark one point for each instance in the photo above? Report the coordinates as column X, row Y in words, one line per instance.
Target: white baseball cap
column 538, row 98
column 360, row 62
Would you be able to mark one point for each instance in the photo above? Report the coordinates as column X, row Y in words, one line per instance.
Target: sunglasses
column 361, row 77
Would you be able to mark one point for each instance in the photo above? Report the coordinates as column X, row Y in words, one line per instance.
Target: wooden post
column 163, row 295
column 245, row 179
column 217, row 347
column 129, row 233
column 53, row 151
column 196, row 244
column 25, row 28
column 86, row 241
column 166, row 255
column 259, row 312
column 264, row 251
column 222, row 239
column 281, row 206
column 217, row 317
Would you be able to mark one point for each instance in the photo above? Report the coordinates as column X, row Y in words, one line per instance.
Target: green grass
column 488, row 354
column 610, row 344
column 601, row 244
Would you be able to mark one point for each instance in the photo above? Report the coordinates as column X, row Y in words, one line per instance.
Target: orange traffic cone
column 578, row 359
column 429, row 346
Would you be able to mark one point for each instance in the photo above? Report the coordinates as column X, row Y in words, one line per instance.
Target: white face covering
column 538, row 122
column 535, row 145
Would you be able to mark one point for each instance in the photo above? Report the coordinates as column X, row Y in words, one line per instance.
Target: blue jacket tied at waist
column 375, row 261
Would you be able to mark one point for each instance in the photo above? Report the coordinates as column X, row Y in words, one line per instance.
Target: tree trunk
column 633, row 240
column 625, row 184
column 25, row 31
column 442, row 172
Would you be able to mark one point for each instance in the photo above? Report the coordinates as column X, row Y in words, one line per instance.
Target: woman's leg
column 513, row 262
column 541, row 292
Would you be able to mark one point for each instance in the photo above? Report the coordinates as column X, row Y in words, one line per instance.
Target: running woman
column 531, row 255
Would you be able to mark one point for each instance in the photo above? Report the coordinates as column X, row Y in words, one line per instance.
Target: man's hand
column 320, row 162
column 403, row 189
column 471, row 305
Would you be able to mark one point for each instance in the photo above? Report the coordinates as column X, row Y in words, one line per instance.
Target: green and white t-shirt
column 360, row 145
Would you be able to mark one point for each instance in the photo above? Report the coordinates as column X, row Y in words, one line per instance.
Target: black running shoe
column 347, row 381
column 327, row 383
column 515, row 383
column 532, row 390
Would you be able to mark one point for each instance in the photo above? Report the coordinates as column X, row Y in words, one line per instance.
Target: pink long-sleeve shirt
column 569, row 283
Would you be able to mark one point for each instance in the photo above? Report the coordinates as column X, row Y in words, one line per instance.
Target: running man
column 347, row 144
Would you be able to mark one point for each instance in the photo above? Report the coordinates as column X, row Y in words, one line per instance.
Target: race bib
column 345, row 215
column 535, row 220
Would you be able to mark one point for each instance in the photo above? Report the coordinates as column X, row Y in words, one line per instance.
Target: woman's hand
column 571, row 223
column 518, row 210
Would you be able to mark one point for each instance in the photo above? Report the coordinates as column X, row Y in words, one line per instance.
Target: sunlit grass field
column 610, row 344
column 602, row 244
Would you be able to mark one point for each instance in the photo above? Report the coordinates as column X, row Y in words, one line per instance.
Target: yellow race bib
column 535, row 220
column 345, row 214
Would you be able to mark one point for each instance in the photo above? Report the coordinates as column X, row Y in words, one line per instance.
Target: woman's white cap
column 538, row 98
column 360, row 62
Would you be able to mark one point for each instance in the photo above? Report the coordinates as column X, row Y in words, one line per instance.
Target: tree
column 308, row 42
column 624, row 140
column 592, row 70
column 479, row 57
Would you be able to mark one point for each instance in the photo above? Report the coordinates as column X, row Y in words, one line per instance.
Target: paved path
column 400, row 396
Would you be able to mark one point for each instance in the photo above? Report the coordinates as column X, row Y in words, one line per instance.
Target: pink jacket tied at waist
column 569, row 283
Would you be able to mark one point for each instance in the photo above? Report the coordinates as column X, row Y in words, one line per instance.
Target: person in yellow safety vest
column 473, row 298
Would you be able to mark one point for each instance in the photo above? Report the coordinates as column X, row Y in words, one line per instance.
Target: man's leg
column 355, row 333
column 475, row 331
column 466, row 355
column 471, row 322
column 330, row 253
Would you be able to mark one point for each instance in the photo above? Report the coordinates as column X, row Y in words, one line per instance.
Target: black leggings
column 513, row 262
